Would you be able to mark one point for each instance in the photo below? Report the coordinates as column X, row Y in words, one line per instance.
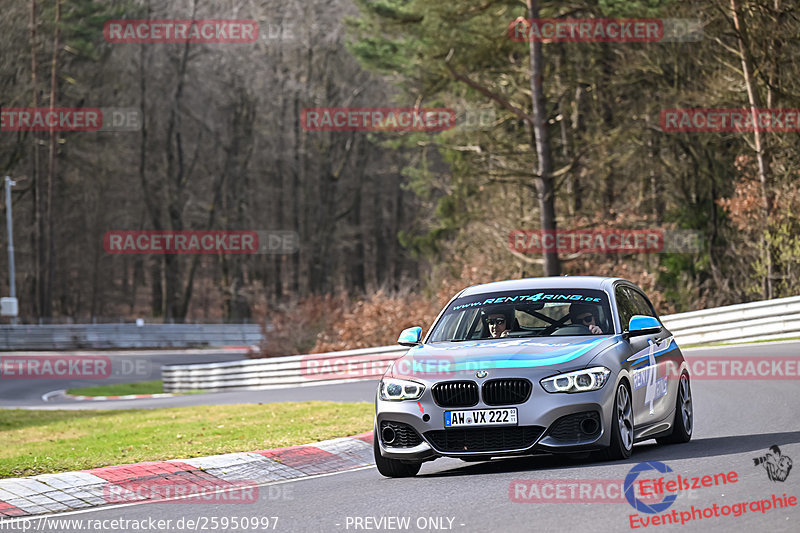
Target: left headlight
column 578, row 381
column 400, row 389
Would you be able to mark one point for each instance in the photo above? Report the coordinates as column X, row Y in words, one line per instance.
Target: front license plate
column 480, row 417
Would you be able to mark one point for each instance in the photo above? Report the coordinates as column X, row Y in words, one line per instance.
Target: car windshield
column 525, row 313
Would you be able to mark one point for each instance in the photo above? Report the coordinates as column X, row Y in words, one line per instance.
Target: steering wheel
column 579, row 329
column 554, row 326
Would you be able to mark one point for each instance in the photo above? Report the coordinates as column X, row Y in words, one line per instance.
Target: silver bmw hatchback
column 542, row 365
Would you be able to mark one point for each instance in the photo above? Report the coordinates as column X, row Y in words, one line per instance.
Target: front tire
column 683, row 424
column 621, row 426
column 392, row 467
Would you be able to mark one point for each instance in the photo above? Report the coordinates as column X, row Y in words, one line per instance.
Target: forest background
column 391, row 225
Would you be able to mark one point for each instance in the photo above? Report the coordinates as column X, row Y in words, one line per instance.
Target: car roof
column 554, row 282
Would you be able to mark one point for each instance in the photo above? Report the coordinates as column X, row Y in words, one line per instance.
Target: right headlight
column 577, row 381
column 400, row 389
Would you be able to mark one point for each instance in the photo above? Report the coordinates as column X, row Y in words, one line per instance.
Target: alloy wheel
column 686, row 403
column 625, row 417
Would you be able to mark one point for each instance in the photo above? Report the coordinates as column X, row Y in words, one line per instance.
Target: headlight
column 578, row 381
column 400, row 389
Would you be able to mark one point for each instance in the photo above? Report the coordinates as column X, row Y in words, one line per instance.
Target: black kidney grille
column 405, row 435
column 455, row 393
column 506, row 391
column 484, row 439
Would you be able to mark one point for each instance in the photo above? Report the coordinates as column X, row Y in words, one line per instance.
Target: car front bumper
column 539, row 413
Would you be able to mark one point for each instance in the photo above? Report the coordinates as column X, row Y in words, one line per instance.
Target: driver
column 584, row 314
column 499, row 324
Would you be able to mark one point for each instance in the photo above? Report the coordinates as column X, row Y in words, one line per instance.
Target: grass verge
column 120, row 389
column 39, row 442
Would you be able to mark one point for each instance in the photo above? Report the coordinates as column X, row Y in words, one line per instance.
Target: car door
column 649, row 363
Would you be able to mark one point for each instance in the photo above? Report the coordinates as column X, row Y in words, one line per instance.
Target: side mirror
column 410, row 336
column 642, row 325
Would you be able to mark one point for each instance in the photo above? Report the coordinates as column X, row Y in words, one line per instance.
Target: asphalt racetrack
column 736, row 421
column 126, row 367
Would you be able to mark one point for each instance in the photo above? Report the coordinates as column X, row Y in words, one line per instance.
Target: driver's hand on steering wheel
column 588, row 320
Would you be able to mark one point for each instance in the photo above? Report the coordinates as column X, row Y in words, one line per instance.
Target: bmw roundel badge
column 481, row 374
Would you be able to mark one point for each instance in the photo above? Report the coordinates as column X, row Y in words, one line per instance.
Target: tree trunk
column 608, row 154
column 656, row 193
column 177, row 180
column 47, row 310
column 562, row 123
column 157, row 292
column 752, row 95
column 544, row 181
column 577, row 127
column 38, row 200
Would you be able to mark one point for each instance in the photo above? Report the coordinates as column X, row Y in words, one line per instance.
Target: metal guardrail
column 115, row 336
column 290, row 371
column 771, row 319
column 756, row 321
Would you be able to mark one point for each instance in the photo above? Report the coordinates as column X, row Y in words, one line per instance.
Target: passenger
column 499, row 324
column 584, row 314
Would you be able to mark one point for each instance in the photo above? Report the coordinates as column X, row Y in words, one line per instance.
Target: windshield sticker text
column 530, row 298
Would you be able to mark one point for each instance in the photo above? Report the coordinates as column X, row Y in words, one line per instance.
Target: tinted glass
column 641, row 303
column 625, row 305
column 525, row 313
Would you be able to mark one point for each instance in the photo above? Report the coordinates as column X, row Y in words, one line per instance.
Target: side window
column 447, row 328
column 479, row 329
column 625, row 305
column 643, row 306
